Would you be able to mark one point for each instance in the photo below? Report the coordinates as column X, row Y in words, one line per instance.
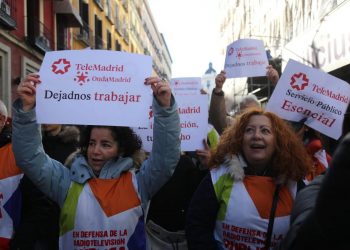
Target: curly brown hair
column 290, row 158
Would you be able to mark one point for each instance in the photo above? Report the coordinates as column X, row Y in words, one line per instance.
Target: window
column 118, row 46
column 5, row 77
column 98, row 33
column 29, row 66
column 109, row 40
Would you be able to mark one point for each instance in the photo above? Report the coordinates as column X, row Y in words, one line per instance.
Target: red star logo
column 60, row 66
column 82, row 78
column 239, row 55
column 299, row 81
column 230, row 51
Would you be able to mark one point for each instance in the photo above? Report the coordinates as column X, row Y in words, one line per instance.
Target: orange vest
column 10, row 196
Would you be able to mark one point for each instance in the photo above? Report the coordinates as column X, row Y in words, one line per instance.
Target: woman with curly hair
column 245, row 202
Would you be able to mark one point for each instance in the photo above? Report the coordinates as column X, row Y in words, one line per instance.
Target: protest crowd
column 258, row 179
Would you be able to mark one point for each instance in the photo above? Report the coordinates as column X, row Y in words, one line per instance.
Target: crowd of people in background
column 260, row 182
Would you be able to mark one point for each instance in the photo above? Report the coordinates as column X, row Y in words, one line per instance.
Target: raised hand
column 219, row 81
column 272, row 74
column 161, row 90
column 26, row 90
column 204, row 154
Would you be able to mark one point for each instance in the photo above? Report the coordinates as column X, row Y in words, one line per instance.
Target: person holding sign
column 217, row 108
column 102, row 198
column 246, row 200
column 10, row 177
column 39, row 225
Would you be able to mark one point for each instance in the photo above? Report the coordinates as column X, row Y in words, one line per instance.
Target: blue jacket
column 54, row 179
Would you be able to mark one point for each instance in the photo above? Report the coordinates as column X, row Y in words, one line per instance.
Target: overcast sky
column 191, row 31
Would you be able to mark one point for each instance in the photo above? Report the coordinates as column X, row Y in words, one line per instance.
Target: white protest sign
column 186, row 85
column 304, row 92
column 193, row 111
column 94, row 87
column 246, row 58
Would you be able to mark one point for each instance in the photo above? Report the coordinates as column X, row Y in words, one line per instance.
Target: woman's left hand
column 161, row 90
column 204, row 154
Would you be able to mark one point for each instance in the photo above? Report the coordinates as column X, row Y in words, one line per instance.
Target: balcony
column 118, row 26
column 69, row 15
column 7, row 14
column 99, row 4
column 84, row 34
column 125, row 4
column 39, row 35
column 125, row 35
column 99, row 43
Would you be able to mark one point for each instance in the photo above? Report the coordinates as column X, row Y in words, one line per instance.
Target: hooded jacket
column 54, row 179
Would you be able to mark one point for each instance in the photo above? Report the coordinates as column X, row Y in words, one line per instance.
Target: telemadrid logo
column 299, row 81
column 61, row 66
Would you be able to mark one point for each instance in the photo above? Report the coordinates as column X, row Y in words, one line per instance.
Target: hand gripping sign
column 313, row 95
column 94, row 87
column 193, row 111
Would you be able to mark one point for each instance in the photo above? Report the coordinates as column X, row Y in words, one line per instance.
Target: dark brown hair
column 128, row 141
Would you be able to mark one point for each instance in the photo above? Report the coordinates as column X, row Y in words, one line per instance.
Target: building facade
column 311, row 32
column 30, row 28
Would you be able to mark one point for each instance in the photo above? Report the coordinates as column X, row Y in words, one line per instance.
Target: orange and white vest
column 10, row 195
column 103, row 214
column 243, row 216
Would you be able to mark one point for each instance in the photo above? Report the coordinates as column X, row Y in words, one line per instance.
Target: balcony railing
column 99, row 4
column 39, row 35
column 7, row 13
column 125, row 35
column 125, row 4
column 99, row 43
column 118, row 26
column 84, row 34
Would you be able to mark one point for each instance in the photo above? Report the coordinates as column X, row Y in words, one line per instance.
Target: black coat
column 327, row 225
column 201, row 217
column 169, row 206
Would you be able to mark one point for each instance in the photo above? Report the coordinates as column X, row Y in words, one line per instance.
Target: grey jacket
column 52, row 178
column 303, row 206
column 325, row 225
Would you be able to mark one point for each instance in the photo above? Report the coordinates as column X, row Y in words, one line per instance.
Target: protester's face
column 102, row 147
column 258, row 142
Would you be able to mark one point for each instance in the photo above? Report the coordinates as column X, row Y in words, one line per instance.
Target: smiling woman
column 101, row 143
column 254, row 178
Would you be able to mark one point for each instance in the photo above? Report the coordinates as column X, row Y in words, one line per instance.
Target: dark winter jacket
column 169, row 206
column 39, row 227
column 326, row 226
column 201, row 217
column 217, row 112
